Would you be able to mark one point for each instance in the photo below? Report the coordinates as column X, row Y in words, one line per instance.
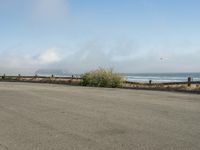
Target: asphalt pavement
column 59, row 117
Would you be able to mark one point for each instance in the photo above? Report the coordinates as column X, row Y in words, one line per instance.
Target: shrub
column 101, row 78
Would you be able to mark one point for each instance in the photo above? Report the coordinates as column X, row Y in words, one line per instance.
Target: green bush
column 101, row 78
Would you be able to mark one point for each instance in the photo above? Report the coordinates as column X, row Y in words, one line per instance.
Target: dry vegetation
column 161, row 86
column 102, row 78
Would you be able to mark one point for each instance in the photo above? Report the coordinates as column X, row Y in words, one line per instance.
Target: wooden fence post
column 150, row 82
column 4, row 77
column 189, row 81
column 19, row 76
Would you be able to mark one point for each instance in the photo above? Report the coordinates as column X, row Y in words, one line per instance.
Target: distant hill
column 58, row 72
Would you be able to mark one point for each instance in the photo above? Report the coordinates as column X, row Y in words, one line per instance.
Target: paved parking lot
column 58, row 117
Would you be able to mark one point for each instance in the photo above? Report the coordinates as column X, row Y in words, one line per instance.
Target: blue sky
column 80, row 35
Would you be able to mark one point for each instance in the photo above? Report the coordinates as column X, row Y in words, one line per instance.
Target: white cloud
column 48, row 57
column 93, row 55
column 17, row 62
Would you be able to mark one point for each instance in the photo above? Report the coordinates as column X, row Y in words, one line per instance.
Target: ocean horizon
column 161, row 77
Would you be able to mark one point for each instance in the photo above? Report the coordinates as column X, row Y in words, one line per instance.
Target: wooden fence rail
column 7, row 78
column 41, row 77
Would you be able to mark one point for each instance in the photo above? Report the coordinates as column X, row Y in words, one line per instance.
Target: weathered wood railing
column 75, row 80
column 53, row 77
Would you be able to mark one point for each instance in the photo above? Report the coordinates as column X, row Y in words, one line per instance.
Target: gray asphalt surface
column 57, row 117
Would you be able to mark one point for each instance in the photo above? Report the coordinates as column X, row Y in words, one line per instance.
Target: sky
column 129, row 36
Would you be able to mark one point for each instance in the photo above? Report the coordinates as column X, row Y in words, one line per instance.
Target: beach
column 49, row 116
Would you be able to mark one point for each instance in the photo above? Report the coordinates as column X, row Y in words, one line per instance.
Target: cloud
column 122, row 57
column 19, row 62
column 132, row 57
column 48, row 57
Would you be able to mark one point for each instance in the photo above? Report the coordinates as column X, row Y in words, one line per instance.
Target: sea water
column 161, row 77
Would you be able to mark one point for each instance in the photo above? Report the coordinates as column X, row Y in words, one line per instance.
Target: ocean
column 160, row 77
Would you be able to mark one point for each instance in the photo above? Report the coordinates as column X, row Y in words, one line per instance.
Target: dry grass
column 101, row 78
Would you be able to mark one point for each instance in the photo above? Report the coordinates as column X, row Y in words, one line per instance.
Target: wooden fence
column 63, row 78
column 193, row 86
